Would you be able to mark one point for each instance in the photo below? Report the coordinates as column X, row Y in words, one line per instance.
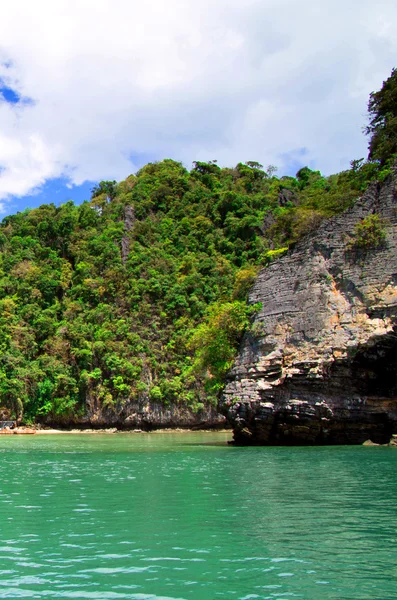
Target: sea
column 187, row 516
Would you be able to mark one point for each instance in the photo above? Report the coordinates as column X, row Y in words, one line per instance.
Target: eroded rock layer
column 320, row 364
column 144, row 414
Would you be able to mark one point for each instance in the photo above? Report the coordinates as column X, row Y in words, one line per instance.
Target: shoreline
column 113, row 430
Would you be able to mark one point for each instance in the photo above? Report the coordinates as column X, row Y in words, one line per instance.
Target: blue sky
column 276, row 81
column 56, row 191
column 8, row 94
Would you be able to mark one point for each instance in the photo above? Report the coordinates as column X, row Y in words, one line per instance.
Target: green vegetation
column 216, row 339
column 368, row 233
column 272, row 255
column 140, row 293
column 382, row 109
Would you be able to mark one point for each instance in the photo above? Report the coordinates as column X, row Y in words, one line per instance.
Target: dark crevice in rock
column 374, row 366
column 324, row 250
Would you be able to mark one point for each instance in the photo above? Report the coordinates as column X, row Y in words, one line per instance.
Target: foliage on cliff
column 368, row 233
column 382, row 127
column 141, row 291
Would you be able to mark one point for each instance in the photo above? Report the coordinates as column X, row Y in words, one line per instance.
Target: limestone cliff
column 142, row 414
column 320, row 364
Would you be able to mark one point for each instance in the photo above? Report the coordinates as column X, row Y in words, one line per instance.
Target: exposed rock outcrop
column 320, row 364
column 129, row 220
column 285, row 197
column 143, row 414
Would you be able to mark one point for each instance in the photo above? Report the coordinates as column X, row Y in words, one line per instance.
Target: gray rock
column 286, row 196
column 320, row 366
column 141, row 414
column 129, row 220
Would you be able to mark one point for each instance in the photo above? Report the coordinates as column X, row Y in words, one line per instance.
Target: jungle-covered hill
column 140, row 293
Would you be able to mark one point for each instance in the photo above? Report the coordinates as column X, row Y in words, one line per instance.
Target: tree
column 216, row 339
column 382, row 110
column 368, row 233
column 253, row 164
column 104, row 187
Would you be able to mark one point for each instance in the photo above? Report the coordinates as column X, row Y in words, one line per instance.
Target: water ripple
column 164, row 518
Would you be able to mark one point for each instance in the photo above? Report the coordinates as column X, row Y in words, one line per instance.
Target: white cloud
column 231, row 80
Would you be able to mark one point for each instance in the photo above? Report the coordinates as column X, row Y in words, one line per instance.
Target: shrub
column 368, row 233
column 156, row 394
column 272, row 255
column 216, row 339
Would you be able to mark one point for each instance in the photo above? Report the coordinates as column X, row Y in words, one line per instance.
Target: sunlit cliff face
column 323, row 366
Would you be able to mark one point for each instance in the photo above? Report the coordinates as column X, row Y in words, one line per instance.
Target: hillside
column 139, row 295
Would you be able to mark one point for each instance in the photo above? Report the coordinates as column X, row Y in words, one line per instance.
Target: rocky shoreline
column 104, row 431
column 114, row 430
column 142, row 414
column 392, row 443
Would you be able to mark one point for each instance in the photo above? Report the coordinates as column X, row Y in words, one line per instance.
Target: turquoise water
column 184, row 516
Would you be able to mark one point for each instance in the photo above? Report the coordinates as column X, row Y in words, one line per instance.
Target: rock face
column 149, row 415
column 143, row 414
column 129, row 220
column 320, row 364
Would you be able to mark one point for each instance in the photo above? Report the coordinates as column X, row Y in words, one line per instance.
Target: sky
column 95, row 89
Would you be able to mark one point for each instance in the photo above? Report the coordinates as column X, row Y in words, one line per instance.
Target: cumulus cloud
column 277, row 81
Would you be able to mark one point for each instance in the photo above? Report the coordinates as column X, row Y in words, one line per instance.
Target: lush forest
column 140, row 292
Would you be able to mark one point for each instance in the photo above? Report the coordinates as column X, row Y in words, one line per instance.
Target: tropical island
column 129, row 309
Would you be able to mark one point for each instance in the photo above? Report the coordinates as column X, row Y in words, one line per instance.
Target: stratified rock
column 320, row 364
column 143, row 413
